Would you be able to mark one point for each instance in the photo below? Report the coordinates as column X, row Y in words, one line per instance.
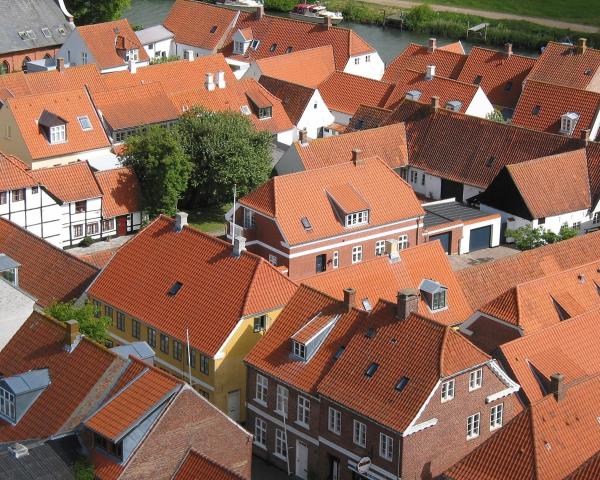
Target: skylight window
column 273, row 47
column 175, row 289
column 536, row 110
column 371, row 332
column 305, row 223
column 213, row 29
column 245, row 109
column 85, row 123
column 401, row 384
column 490, row 161
column 23, row 36
column 587, row 71
column 46, row 32
column 62, row 31
column 508, row 86
column 339, row 352
column 288, row 50
column 477, row 80
column 31, row 35
column 371, row 369
column 255, row 44
column 366, row 304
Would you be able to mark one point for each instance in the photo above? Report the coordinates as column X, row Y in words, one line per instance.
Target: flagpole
column 233, row 216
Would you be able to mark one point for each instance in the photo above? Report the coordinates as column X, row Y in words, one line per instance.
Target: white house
column 157, row 41
column 15, row 304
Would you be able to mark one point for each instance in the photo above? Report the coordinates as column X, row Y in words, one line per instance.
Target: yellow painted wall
column 15, row 145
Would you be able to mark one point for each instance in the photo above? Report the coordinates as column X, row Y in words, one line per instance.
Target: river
column 389, row 42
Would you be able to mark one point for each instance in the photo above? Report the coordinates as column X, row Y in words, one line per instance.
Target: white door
column 233, row 405
column 301, row 460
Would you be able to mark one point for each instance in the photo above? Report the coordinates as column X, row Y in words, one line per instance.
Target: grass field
column 210, row 220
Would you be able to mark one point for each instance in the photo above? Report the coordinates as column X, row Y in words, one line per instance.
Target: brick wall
column 15, row 59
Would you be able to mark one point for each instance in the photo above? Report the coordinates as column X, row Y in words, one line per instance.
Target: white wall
column 369, row 65
column 71, row 50
column 286, row 137
column 253, row 71
column 432, row 187
column 100, row 159
column 70, row 219
column 341, row 117
column 16, row 307
column 463, row 246
column 315, row 116
column 167, row 46
column 480, row 106
column 470, row 191
column 181, row 48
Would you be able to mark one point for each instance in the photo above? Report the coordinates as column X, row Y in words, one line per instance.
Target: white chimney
column 221, row 79
column 132, row 66
column 432, row 45
column 18, row 450
column 430, row 73
column 209, row 83
column 239, row 245
column 180, row 221
column 391, row 250
column 189, row 54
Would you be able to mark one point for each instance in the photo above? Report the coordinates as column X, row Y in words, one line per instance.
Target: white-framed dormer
column 568, row 122
column 242, row 40
column 435, row 295
column 307, row 340
column 54, row 127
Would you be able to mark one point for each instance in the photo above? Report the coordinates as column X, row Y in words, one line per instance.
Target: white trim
column 419, row 426
column 279, row 423
column 512, row 387
column 423, row 407
column 432, row 232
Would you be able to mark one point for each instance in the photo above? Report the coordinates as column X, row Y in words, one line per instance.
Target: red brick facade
column 13, row 61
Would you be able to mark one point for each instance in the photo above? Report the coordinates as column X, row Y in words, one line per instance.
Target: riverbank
column 423, row 19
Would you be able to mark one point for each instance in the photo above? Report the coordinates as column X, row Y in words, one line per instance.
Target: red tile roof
column 541, row 105
column 588, row 471
column 98, row 259
column 483, row 283
column 69, row 183
column 196, row 466
column 294, row 97
column 560, row 64
column 289, row 198
column 47, row 273
column 502, row 75
column 417, row 57
column 73, row 391
column 387, row 143
column 344, row 92
column 121, row 192
column 107, row 47
column 367, row 117
column 417, row 348
column 140, row 275
column 456, row 47
column 14, row 174
column 546, row 442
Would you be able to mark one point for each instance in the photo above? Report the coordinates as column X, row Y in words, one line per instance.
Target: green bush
column 170, row 58
column 527, row 237
column 86, row 242
column 84, row 470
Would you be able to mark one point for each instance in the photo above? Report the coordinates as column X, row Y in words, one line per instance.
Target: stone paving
column 110, row 244
column 459, row 262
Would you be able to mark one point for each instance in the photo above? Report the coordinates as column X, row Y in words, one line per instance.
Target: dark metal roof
column 42, row 463
column 49, row 119
column 446, row 212
column 7, row 263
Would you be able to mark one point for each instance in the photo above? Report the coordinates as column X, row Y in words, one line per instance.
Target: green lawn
column 210, row 220
column 577, row 11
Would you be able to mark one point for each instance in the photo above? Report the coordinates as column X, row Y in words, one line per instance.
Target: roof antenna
column 233, row 215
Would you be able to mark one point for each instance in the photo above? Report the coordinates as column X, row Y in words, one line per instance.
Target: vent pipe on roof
column 60, row 64
column 18, row 450
column 581, row 46
column 435, row 102
column 407, row 302
column 557, row 386
column 189, row 55
column 508, row 49
column 72, row 335
column 209, row 81
column 357, row 157
column 260, row 12
column 585, row 136
column 349, row 299
column 221, row 79
column 430, row 72
column 239, row 245
column 132, row 66
column 432, row 45
column 181, row 220
column 303, row 136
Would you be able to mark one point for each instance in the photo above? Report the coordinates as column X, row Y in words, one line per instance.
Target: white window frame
column 357, row 218
column 82, row 119
column 300, row 350
column 249, row 221
column 357, row 254
column 303, row 411
column 334, row 421
column 403, row 242
column 436, row 300
column 448, row 391
column 92, row 228
column 596, row 217
column 473, row 425
column 359, row 433
column 379, row 247
column 496, row 416
column 262, row 389
column 58, row 134
column 273, row 259
column 280, row 444
column 335, row 259
column 84, row 58
column 386, row 446
column 8, row 406
column 260, row 432
column 75, row 228
column 475, row 379
column 281, row 405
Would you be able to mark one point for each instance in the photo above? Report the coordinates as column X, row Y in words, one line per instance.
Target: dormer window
column 439, row 300
column 53, row 126
column 132, row 55
column 239, row 48
column 58, row 134
column 114, row 449
column 413, row 95
column 9, row 269
column 307, row 340
column 7, row 405
column 19, row 392
column 434, row 294
column 454, row 105
column 300, row 350
column 568, row 121
column 266, row 112
column 357, row 218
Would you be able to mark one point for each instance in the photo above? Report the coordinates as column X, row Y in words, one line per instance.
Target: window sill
column 302, row 424
column 474, row 388
column 281, row 414
column 262, row 403
column 386, row 458
column 446, row 400
column 472, row 437
column 492, row 429
column 280, row 457
column 334, row 432
column 260, row 445
column 359, row 445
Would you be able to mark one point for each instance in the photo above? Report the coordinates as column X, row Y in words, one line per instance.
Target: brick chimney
column 72, row 335
column 260, row 12
column 180, row 221
column 508, row 49
column 585, row 136
column 435, row 102
column 581, row 46
column 239, row 245
column 209, row 81
column 221, row 79
column 349, row 299
column 407, row 302
column 60, row 64
column 303, row 136
column 430, row 72
column 432, row 45
column 357, row 157
column 557, row 386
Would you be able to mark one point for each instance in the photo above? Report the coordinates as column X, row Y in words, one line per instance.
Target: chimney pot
column 357, row 157
column 432, row 45
column 132, row 66
column 585, row 135
column 181, row 220
column 221, row 79
column 303, row 136
column 60, row 64
column 239, row 245
column 508, row 49
column 407, row 303
column 557, row 386
column 209, row 82
column 327, row 23
column 189, row 54
column 430, row 72
column 435, row 102
column 260, row 12
column 349, row 299
column 72, row 335
column 581, row 46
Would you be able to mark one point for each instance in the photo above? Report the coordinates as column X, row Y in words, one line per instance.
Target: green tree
column 496, row 116
column 528, row 237
column 567, row 232
column 162, row 167
column 226, row 150
column 91, row 326
column 86, row 12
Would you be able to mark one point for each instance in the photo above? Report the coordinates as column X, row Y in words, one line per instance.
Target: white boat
column 315, row 13
column 244, row 5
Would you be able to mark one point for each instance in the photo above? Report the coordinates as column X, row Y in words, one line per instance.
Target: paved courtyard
column 459, row 262
column 111, row 244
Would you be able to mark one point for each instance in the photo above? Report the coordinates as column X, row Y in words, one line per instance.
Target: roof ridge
column 441, row 77
column 479, row 47
column 568, row 87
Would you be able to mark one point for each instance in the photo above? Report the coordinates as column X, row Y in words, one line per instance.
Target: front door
column 301, row 460
column 121, row 226
column 321, row 263
column 233, row 405
column 334, row 468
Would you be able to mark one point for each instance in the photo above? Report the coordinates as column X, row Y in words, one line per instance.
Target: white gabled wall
column 428, row 185
column 480, row 105
column 286, row 137
column 315, row 116
column 167, row 46
column 367, row 65
column 72, row 49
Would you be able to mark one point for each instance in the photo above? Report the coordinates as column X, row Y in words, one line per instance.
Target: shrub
column 86, row 241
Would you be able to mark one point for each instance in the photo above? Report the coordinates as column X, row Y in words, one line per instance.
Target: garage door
column 480, row 238
column 444, row 239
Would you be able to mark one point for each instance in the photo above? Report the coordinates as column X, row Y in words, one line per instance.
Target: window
column 266, row 112
column 78, row 231
column 35, row 190
column 477, row 80
column 386, row 446
column 422, row 179
column 121, row 321
column 475, row 379
column 213, row 29
column 414, row 176
column 439, row 300
column 367, row 58
column 4, row 68
column 85, row 123
column 359, row 435
column 281, row 405
column 7, row 404
column 84, row 58
column 288, row 50
column 541, row 220
column 151, row 337
column 315, row 105
column 335, row 261
column 496, row 416
column 108, row 225
column 24, row 64
column 192, row 358
column 357, row 61
column 176, row 350
column 260, row 432
column 255, row 44
column 535, row 111
column 402, row 242
column 80, row 206
column 262, row 387
column 595, row 218
column 3, row 198
column 508, row 86
column 260, row 323
column 150, row 46
column 8, row 129
column 273, row 47
column 273, row 259
column 473, row 426
column 576, row 225
column 248, row 218
column 108, row 312
column 447, row 391
column 371, row 369
column 18, row 195
column 280, row 443
column 204, row 364
column 303, row 414
column 357, row 218
column 300, row 350
column 93, row 228
column 132, row 55
column 238, row 47
column 380, row 247
column 135, row 329
column 334, row 421
column 357, row 254
column 97, row 309
column 164, row 343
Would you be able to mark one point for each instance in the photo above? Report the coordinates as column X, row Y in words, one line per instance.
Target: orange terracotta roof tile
column 105, row 468
column 121, row 192
column 14, row 174
column 588, row 471
column 69, row 183
column 289, row 198
column 344, row 92
column 483, row 283
column 417, row 57
column 68, row 105
column 308, row 68
column 314, row 326
column 98, row 259
column 455, row 47
column 502, row 75
column 387, row 143
column 196, row 466
column 294, row 98
column 73, row 391
column 367, row 117
column 108, row 41
column 205, row 267
column 47, row 273
column 541, row 106
column 347, row 198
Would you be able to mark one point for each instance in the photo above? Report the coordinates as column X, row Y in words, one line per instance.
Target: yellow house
column 172, row 283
